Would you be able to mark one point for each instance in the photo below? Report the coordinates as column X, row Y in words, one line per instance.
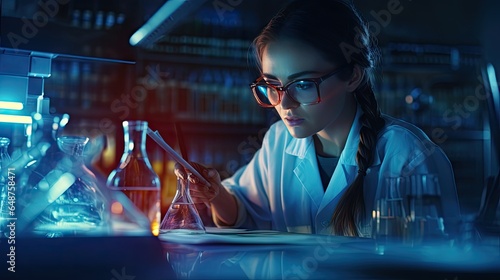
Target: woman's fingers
column 201, row 194
column 199, row 191
column 212, row 175
column 179, row 171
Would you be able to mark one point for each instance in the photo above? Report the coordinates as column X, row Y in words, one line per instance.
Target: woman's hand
column 222, row 203
column 200, row 192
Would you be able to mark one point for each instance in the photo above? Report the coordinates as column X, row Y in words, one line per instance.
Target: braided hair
column 336, row 29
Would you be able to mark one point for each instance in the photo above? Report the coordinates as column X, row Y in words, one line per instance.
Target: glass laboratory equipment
column 389, row 216
column 425, row 214
column 182, row 216
column 135, row 176
column 184, row 262
column 408, row 211
column 67, row 200
column 6, row 185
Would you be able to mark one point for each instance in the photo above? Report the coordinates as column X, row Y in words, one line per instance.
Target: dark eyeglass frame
column 317, row 81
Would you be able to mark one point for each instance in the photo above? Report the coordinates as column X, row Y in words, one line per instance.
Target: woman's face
column 289, row 60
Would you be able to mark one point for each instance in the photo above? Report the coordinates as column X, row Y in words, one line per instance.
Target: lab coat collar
column 345, row 172
column 304, row 149
column 299, row 147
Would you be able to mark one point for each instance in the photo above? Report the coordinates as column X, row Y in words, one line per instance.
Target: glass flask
column 408, row 211
column 182, row 216
column 6, row 185
column 389, row 216
column 135, row 176
column 184, row 262
column 68, row 200
column 425, row 223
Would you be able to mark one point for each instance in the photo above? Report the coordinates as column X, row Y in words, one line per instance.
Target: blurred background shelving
column 197, row 76
column 440, row 89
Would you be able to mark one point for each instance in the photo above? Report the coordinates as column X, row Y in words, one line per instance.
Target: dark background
column 426, row 21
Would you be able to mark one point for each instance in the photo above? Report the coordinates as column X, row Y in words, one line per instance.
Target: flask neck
column 4, row 152
column 182, row 195
column 4, row 158
column 73, row 145
column 135, row 137
column 4, row 145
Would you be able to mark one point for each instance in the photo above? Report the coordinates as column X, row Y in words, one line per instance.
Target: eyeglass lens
column 304, row 92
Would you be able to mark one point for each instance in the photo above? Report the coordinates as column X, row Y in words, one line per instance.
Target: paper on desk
column 239, row 236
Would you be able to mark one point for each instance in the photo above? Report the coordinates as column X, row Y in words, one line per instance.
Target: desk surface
column 295, row 256
column 275, row 256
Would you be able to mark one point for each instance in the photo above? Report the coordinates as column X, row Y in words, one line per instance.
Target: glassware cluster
column 69, row 200
column 47, row 189
column 57, row 195
column 4, row 184
column 408, row 211
column 61, row 196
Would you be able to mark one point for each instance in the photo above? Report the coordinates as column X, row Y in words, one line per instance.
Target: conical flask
column 68, row 200
column 182, row 216
column 135, row 176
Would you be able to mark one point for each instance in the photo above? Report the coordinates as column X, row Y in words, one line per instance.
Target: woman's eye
column 302, row 85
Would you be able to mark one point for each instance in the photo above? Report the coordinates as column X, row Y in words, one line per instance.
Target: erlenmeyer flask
column 184, row 262
column 135, row 176
column 68, row 200
column 182, row 216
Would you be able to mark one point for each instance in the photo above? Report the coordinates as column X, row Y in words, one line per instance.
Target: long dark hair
column 337, row 30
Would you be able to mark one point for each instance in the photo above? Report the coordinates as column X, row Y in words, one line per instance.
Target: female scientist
column 321, row 166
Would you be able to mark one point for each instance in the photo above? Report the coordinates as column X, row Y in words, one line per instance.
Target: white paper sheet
column 243, row 236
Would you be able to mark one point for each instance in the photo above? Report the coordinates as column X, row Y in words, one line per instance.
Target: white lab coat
column 280, row 188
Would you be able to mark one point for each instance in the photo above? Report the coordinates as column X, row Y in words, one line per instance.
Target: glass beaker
column 135, row 175
column 425, row 223
column 389, row 216
column 68, row 200
column 408, row 211
column 182, row 216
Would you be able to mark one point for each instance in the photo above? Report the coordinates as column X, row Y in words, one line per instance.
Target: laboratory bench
column 247, row 254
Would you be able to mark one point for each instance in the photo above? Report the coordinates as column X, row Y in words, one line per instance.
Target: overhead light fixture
column 162, row 21
column 15, row 119
column 11, row 105
column 494, row 86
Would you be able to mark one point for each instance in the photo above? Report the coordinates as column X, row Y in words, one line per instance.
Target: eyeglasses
column 303, row 91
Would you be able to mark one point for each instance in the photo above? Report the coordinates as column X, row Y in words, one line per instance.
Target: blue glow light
column 15, row 119
column 494, row 85
column 11, row 105
column 64, row 120
column 155, row 21
column 37, row 116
